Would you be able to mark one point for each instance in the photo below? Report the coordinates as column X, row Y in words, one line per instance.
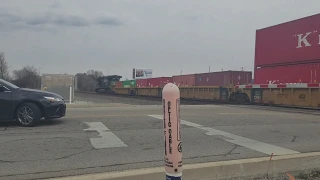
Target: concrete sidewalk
column 242, row 169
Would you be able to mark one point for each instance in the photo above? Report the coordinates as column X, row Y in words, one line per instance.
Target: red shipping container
column 224, row 78
column 142, row 83
column 184, row 80
column 291, row 42
column 158, row 82
column 119, row 84
column 300, row 73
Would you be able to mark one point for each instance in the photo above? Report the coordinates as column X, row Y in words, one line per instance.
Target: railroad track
column 183, row 101
column 290, row 109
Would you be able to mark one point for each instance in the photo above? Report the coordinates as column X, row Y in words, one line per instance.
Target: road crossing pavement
column 91, row 140
column 241, row 141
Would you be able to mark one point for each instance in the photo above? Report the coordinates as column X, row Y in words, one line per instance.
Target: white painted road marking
column 107, row 140
column 239, row 140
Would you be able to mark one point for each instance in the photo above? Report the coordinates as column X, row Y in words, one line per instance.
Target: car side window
column 3, row 88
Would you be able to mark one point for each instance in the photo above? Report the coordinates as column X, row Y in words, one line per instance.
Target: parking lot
column 130, row 136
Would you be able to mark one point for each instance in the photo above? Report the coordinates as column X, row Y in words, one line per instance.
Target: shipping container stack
column 289, row 52
column 153, row 82
column 129, row 83
column 158, row 81
column 223, row 78
column 119, row 84
column 184, row 80
column 142, row 83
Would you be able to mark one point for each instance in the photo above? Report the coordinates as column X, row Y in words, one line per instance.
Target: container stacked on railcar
column 119, row 84
column 301, row 73
column 141, row 83
column 184, row 80
column 288, row 52
column 129, row 83
column 223, row 78
column 158, row 81
column 153, row 82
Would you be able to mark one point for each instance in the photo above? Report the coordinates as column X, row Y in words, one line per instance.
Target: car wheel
column 28, row 114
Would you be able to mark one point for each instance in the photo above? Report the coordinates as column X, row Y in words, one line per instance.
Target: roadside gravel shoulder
column 88, row 99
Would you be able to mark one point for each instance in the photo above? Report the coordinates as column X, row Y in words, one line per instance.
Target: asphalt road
column 135, row 139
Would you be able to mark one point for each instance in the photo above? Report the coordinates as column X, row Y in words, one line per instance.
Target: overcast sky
column 114, row 36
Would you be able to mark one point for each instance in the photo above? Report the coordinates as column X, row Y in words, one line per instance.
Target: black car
column 28, row 106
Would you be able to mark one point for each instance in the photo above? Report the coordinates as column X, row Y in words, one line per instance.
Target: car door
column 5, row 103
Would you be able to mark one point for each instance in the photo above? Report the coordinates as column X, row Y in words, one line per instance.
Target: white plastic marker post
column 70, row 94
column 172, row 132
column 70, row 98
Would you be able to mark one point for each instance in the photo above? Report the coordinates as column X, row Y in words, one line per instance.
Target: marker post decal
column 172, row 132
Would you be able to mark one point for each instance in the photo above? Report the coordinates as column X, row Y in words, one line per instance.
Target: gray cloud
column 12, row 21
column 108, row 21
column 192, row 18
column 37, row 20
column 55, row 5
column 5, row 16
column 70, row 21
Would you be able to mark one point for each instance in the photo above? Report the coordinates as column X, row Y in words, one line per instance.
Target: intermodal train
column 285, row 73
column 290, row 95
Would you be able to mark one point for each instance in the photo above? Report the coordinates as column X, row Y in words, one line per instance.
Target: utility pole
column 209, row 68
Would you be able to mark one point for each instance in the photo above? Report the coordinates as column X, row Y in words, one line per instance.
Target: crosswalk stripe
column 107, row 139
column 239, row 140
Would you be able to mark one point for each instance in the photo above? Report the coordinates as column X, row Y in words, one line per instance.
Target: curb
column 97, row 105
column 255, row 167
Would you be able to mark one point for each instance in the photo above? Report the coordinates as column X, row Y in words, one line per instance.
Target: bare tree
column 27, row 77
column 4, row 70
column 85, row 82
column 95, row 74
column 88, row 81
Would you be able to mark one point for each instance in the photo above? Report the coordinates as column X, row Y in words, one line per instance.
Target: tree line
column 88, row 81
column 29, row 77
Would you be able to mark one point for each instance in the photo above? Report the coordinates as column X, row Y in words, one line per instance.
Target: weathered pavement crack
column 64, row 157
column 229, row 153
column 106, row 166
column 294, row 138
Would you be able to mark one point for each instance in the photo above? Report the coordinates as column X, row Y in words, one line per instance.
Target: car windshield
column 8, row 84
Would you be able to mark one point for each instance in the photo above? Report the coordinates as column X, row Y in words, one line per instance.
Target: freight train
column 107, row 83
column 289, row 95
column 221, row 78
column 285, row 72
